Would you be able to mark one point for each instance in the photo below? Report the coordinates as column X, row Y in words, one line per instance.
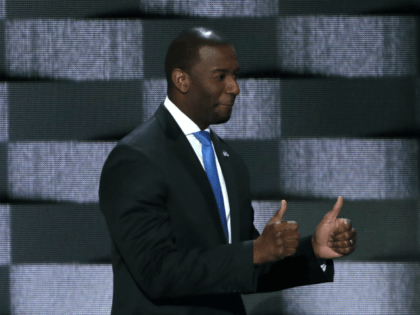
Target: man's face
column 213, row 85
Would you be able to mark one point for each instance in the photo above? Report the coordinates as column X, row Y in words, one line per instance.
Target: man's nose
column 233, row 87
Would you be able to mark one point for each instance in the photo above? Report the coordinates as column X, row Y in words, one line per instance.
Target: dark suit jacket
column 170, row 254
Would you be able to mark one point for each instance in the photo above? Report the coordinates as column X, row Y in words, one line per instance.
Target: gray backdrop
column 329, row 106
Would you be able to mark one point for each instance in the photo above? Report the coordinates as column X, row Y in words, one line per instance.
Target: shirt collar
column 185, row 123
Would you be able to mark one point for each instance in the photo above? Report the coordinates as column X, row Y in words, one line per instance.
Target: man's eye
column 222, row 76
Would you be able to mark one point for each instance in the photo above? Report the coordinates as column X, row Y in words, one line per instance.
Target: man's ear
column 181, row 80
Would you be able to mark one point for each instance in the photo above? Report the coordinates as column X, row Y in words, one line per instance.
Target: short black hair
column 183, row 51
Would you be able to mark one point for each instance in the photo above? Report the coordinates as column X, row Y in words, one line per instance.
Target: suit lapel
column 229, row 176
column 181, row 149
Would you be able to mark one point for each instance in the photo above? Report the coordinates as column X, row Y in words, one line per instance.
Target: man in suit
column 177, row 202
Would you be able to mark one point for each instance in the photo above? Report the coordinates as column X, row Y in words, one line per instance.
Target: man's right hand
column 278, row 240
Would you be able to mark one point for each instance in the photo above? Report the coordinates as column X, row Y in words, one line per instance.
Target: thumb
column 280, row 213
column 333, row 213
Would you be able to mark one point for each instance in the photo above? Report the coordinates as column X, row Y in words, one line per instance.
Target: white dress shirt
column 188, row 127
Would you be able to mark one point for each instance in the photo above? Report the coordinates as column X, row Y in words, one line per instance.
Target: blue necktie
column 211, row 171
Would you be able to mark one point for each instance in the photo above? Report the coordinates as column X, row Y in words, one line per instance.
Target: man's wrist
column 315, row 247
column 256, row 257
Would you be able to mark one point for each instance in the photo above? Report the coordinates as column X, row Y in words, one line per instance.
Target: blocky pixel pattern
column 328, row 107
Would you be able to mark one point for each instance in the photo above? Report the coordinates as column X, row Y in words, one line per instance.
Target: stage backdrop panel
column 329, row 106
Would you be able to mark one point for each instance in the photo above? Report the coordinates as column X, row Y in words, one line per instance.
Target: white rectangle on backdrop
column 5, row 252
column 74, row 49
column 56, row 171
column 357, row 169
column 362, row 46
column 61, row 289
column 212, row 8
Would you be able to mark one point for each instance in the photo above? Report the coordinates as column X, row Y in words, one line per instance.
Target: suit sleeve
column 300, row 269
column 133, row 192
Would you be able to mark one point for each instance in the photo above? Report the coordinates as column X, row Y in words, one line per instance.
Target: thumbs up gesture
column 278, row 240
column 334, row 237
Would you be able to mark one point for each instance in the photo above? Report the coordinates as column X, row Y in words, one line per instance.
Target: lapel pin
column 225, row 154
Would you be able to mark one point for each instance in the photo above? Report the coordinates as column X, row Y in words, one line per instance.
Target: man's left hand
column 334, row 237
column 344, row 238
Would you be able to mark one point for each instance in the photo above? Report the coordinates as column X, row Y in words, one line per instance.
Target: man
column 177, row 202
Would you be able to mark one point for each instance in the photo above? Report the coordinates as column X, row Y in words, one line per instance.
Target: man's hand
column 334, row 237
column 278, row 240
